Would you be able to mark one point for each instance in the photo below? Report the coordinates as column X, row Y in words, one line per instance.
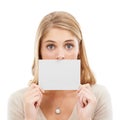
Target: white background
column 100, row 24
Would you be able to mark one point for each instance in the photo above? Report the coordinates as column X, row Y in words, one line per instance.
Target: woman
column 59, row 37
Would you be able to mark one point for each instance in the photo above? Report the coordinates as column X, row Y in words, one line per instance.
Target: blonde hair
column 62, row 20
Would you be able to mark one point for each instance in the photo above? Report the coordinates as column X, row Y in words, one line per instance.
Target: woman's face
column 59, row 44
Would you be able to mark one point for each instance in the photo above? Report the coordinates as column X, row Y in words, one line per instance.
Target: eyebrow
column 69, row 40
column 49, row 41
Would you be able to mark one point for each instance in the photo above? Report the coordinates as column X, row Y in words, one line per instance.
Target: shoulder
column 15, row 105
column 100, row 91
column 104, row 107
column 16, row 98
column 17, row 94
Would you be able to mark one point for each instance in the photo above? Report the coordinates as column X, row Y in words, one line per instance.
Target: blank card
column 59, row 74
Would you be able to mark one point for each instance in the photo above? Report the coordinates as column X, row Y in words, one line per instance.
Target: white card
column 59, row 74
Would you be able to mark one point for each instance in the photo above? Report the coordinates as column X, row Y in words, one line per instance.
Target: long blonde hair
column 62, row 20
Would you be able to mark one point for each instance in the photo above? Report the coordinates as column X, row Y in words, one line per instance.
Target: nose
column 60, row 57
column 60, row 54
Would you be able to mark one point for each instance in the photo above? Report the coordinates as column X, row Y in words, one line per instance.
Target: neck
column 60, row 93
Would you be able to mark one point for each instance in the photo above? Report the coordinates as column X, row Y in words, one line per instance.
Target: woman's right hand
column 32, row 100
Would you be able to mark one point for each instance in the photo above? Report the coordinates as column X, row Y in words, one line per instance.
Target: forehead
column 58, row 34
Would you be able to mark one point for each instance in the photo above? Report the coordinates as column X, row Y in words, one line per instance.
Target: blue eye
column 68, row 46
column 50, row 47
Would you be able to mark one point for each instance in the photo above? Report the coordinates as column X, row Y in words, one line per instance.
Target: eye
column 50, row 47
column 69, row 46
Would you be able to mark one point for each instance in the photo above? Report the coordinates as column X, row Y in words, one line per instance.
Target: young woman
column 59, row 37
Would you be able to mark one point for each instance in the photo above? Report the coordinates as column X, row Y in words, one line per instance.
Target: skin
column 59, row 44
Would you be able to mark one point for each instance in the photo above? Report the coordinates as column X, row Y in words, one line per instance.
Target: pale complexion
column 59, row 44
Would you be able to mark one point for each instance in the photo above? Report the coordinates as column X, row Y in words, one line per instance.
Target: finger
column 34, row 99
column 85, row 86
column 89, row 95
column 84, row 93
column 85, row 101
column 33, row 85
column 32, row 92
column 80, row 99
column 39, row 100
column 79, row 87
column 88, row 86
column 37, row 86
column 41, row 89
column 86, row 90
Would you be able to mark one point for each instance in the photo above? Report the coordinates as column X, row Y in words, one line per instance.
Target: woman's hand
column 86, row 102
column 32, row 99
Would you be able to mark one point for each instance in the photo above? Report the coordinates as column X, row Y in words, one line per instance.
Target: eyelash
column 66, row 46
column 50, row 45
column 70, row 45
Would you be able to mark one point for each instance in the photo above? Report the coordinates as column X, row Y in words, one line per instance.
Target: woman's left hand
column 86, row 102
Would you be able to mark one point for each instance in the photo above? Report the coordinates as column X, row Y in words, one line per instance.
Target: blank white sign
column 59, row 74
